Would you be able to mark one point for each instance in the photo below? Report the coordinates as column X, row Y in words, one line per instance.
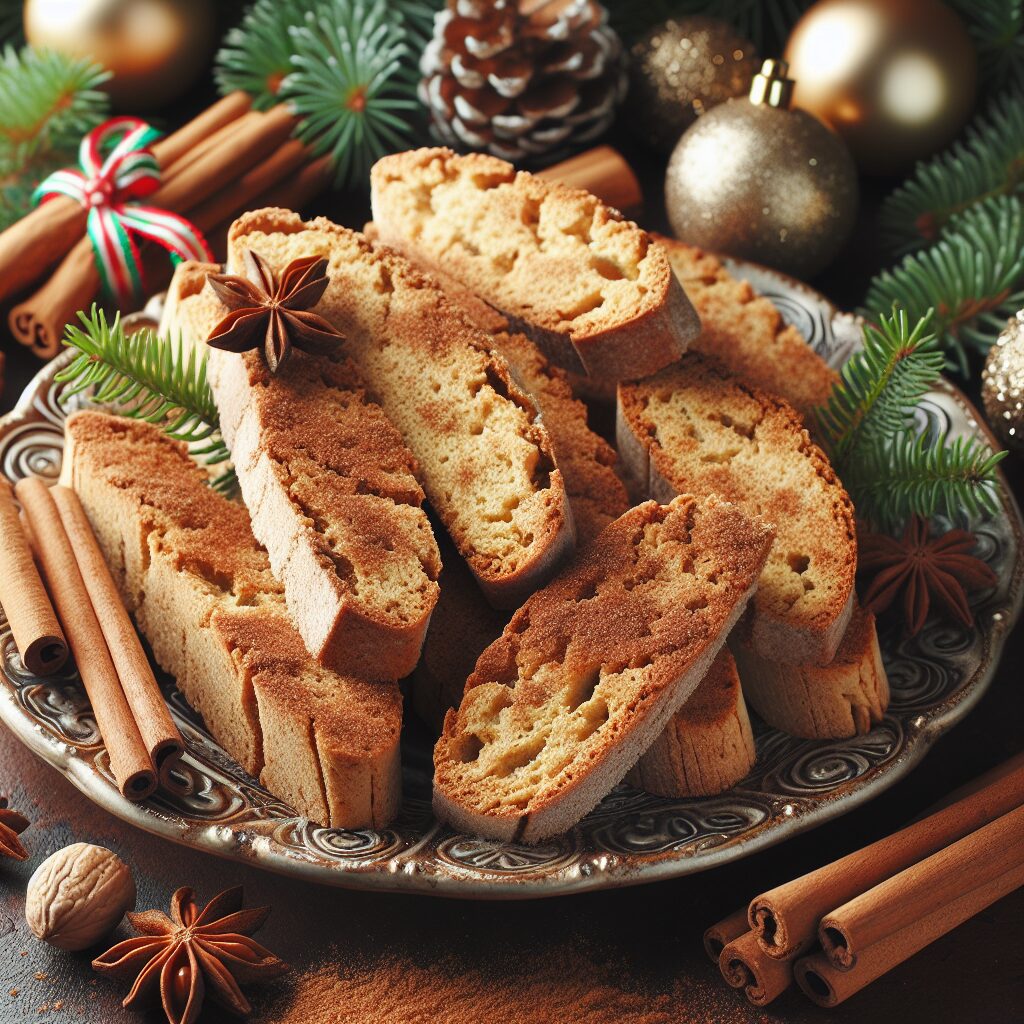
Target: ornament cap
column 771, row 86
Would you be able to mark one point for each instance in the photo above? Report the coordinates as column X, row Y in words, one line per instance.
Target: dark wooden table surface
column 642, row 943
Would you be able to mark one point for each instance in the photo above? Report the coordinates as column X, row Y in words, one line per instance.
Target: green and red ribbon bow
column 110, row 186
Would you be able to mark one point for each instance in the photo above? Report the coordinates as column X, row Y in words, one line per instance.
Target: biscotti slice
column 708, row 746
column 836, row 701
column 745, row 331
column 484, row 458
column 590, row 288
column 590, row 670
column 330, row 487
column 693, row 428
column 202, row 592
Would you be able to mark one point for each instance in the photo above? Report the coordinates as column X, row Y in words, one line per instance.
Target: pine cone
column 522, row 79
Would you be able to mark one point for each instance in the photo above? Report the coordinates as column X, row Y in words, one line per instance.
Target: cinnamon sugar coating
column 201, row 590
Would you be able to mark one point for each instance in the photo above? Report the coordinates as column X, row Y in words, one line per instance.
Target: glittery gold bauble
column 156, row 49
column 757, row 180
column 680, row 69
column 1002, row 384
column 896, row 78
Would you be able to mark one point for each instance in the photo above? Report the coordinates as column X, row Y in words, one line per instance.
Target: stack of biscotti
column 331, row 490
column 483, row 457
column 694, row 428
column 202, row 592
column 708, row 746
column 591, row 289
column 746, row 333
column 591, row 669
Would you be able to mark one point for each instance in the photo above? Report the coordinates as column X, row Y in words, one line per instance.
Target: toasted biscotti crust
column 484, row 459
column 590, row 670
column 202, row 592
column 694, row 428
column 708, row 746
column 843, row 699
column 331, row 491
column 745, row 332
column 587, row 286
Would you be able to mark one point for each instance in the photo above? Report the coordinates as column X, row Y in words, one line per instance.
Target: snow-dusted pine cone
column 522, row 79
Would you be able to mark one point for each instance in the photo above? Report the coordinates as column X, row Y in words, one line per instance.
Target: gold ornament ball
column 896, row 78
column 156, row 49
column 1002, row 384
column 680, row 69
column 758, row 181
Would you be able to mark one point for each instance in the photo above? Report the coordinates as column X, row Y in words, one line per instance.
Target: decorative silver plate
column 631, row 837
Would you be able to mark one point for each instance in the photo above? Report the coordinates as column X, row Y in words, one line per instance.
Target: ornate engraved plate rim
column 631, row 837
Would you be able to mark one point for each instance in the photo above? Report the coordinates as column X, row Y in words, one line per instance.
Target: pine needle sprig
column 997, row 27
column 47, row 102
column 973, row 277
column 891, row 468
column 353, row 85
column 988, row 161
column 146, row 377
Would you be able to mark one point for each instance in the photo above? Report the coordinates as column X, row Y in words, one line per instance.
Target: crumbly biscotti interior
column 331, row 491
column 591, row 668
column 695, row 429
column 484, row 458
column 557, row 259
column 203, row 594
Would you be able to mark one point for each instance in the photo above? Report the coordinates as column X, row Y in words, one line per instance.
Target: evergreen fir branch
column 146, row 377
column 880, row 385
column 916, row 475
column 47, row 102
column 988, row 161
column 997, row 27
column 973, row 277
column 766, row 23
column 354, row 85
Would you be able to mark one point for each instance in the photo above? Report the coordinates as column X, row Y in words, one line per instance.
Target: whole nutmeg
column 78, row 895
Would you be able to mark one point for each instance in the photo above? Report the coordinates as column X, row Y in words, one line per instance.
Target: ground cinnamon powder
column 447, row 992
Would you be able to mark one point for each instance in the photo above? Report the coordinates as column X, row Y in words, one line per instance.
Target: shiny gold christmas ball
column 156, row 49
column 759, row 181
column 1002, row 384
column 896, row 78
column 680, row 69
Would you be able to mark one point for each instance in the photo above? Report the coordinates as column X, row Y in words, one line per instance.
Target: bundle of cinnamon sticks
column 228, row 159
column 143, row 743
column 839, row 928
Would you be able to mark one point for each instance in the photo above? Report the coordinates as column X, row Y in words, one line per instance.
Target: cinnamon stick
column 129, row 759
column 827, row 986
column 718, row 936
column 44, row 235
column 156, row 727
column 897, row 903
column 602, row 171
column 745, row 965
column 786, row 918
column 37, row 633
column 39, row 321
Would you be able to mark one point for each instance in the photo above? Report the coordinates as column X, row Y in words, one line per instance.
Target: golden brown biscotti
column 694, row 428
column 202, row 592
column 837, row 701
column 484, row 458
column 590, row 288
column 590, row 670
column 708, row 746
column 330, row 488
column 745, row 332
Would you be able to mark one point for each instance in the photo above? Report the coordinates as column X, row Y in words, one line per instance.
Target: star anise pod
column 273, row 312
column 926, row 570
column 192, row 951
column 12, row 824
